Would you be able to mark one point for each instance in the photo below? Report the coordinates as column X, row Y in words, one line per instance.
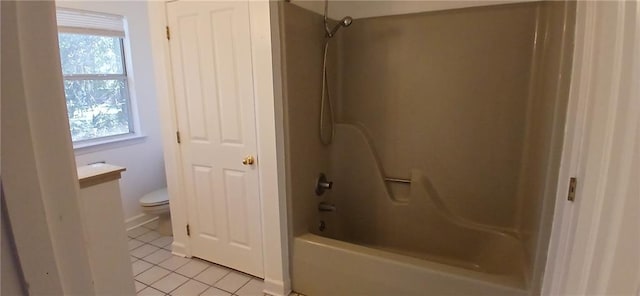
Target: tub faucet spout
column 326, row 207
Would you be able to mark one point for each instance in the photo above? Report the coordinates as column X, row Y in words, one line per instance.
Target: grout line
column 220, row 279
column 188, row 278
column 145, row 285
column 143, row 243
column 174, row 271
column 180, row 285
column 243, row 286
column 228, row 270
column 134, row 276
column 194, row 278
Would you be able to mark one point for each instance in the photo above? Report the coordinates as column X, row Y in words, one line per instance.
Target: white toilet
column 157, row 203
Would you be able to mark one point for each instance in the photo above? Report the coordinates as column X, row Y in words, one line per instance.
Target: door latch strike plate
column 573, row 183
column 188, row 230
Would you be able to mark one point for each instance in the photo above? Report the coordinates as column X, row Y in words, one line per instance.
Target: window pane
column 97, row 108
column 89, row 54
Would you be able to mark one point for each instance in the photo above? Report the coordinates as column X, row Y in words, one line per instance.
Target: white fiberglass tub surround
column 367, row 247
column 324, row 266
column 447, row 130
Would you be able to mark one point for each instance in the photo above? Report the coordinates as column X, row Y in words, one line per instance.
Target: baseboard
column 179, row 249
column 138, row 220
column 275, row 288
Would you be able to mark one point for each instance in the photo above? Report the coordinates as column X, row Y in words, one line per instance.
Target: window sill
column 99, row 145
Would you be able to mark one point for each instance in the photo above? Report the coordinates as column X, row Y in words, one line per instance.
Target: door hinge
column 573, row 183
column 188, row 230
column 168, row 33
column 178, row 137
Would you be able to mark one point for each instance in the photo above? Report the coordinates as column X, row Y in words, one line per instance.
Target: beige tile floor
column 158, row 272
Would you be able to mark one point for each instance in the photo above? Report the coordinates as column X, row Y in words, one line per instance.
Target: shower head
column 344, row 22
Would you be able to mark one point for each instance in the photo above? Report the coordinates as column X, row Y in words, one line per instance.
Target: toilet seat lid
column 155, row 198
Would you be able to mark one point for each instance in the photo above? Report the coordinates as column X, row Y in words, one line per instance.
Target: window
column 95, row 75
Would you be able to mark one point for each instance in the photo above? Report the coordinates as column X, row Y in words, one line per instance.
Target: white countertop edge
column 96, row 169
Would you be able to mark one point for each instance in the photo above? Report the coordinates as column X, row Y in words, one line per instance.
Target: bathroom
column 346, row 148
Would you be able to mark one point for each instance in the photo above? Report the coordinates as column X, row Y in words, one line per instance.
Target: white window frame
column 74, row 21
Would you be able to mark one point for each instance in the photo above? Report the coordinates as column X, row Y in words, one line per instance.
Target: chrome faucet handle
column 326, row 185
column 322, row 184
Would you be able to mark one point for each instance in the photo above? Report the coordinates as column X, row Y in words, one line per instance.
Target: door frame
column 269, row 143
column 601, row 135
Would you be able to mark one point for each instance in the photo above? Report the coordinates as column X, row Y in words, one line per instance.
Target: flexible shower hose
column 325, row 97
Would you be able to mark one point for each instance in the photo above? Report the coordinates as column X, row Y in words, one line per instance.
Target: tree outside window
column 95, row 85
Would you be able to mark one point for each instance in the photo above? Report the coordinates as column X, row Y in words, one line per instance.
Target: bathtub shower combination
column 423, row 149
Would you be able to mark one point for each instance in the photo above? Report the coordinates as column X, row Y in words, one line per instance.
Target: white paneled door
column 212, row 75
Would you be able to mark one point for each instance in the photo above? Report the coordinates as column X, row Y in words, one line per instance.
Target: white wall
column 143, row 158
column 38, row 172
column 595, row 242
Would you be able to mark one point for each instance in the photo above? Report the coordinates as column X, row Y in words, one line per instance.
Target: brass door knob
column 249, row 160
